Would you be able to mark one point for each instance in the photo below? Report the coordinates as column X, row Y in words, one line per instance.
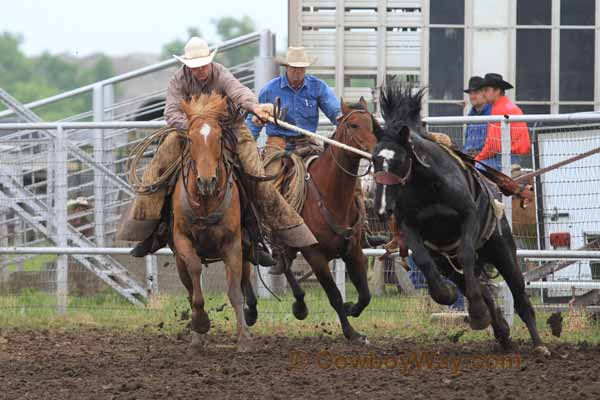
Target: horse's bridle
column 224, row 195
column 391, row 179
column 348, row 132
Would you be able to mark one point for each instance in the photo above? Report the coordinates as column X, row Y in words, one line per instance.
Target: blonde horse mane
column 211, row 107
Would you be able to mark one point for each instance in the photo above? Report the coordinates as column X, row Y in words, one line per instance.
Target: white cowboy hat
column 296, row 57
column 80, row 201
column 197, row 54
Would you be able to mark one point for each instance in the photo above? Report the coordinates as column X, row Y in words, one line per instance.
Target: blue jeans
column 418, row 280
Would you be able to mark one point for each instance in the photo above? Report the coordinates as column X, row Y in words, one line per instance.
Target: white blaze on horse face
column 205, row 131
column 387, row 155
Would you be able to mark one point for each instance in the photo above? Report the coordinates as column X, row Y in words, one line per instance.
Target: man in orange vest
column 494, row 87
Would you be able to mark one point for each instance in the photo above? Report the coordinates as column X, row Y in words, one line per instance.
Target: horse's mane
column 212, row 107
column 400, row 106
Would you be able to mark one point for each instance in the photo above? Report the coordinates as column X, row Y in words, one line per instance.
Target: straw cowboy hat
column 80, row 201
column 296, row 57
column 197, row 54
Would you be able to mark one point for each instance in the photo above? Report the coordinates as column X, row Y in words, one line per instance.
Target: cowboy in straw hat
column 302, row 95
column 200, row 74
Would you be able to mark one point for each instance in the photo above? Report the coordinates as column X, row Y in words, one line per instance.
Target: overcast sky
column 81, row 27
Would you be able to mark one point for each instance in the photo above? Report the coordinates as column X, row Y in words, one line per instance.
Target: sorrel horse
column 207, row 214
column 330, row 211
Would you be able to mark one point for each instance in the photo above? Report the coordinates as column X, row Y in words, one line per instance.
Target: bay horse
column 206, row 214
column 330, row 211
column 446, row 212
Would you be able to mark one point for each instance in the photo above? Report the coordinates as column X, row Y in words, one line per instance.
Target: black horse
column 446, row 212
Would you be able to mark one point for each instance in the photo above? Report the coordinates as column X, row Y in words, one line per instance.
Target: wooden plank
column 549, row 268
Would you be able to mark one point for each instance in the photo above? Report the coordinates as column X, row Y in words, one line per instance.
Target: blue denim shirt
column 476, row 133
column 303, row 104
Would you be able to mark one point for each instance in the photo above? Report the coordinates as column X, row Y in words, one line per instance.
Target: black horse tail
column 400, row 104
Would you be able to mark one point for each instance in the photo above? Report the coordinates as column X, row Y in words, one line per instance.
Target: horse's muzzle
column 207, row 186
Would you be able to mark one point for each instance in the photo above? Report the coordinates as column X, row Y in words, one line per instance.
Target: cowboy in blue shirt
column 476, row 133
column 303, row 96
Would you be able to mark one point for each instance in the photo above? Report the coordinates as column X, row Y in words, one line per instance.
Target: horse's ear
column 344, row 106
column 363, row 103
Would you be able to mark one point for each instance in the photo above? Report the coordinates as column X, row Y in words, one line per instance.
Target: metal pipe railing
column 528, row 254
column 239, row 41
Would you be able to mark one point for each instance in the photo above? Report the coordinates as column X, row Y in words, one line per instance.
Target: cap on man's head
column 474, row 84
column 496, row 81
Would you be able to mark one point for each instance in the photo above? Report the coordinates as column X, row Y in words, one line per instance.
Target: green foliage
column 33, row 78
column 227, row 28
column 231, row 27
column 176, row 46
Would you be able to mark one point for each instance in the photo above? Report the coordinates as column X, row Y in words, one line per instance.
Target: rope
column 296, row 188
column 138, row 152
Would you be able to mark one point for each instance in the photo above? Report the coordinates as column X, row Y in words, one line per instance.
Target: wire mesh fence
column 566, row 207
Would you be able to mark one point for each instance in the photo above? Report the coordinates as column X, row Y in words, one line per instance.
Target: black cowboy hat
column 474, row 84
column 496, row 81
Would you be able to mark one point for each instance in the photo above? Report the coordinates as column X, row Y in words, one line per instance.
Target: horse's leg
column 232, row 257
column 479, row 315
column 499, row 324
column 440, row 291
column 320, row 267
column 250, row 313
column 193, row 264
column 501, row 251
column 299, row 308
column 356, row 265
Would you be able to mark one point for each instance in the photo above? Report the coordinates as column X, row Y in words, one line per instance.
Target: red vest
column 519, row 133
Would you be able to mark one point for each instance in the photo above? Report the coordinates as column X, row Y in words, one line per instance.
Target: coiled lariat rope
column 138, row 152
column 295, row 193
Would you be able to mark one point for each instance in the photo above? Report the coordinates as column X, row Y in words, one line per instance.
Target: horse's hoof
column 250, row 315
column 201, row 324
column 445, row 294
column 198, row 343
column 542, row 350
column 350, row 309
column 244, row 345
column 300, row 310
column 356, row 337
column 479, row 316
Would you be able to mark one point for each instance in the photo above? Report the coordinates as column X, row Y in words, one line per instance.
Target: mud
column 104, row 364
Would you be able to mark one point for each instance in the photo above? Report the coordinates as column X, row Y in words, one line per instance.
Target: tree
column 231, row 27
column 33, row 78
column 176, row 46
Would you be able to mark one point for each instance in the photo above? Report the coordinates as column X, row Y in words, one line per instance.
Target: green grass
column 387, row 316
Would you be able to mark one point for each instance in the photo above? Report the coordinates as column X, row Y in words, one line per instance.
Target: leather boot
column 156, row 241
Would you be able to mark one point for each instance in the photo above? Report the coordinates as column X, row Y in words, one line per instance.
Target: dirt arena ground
column 102, row 364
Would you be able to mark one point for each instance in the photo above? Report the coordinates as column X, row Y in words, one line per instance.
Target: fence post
column 509, row 305
column 339, row 269
column 506, row 166
column 509, row 310
column 151, row 275
column 61, row 220
column 265, row 66
column 98, row 111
